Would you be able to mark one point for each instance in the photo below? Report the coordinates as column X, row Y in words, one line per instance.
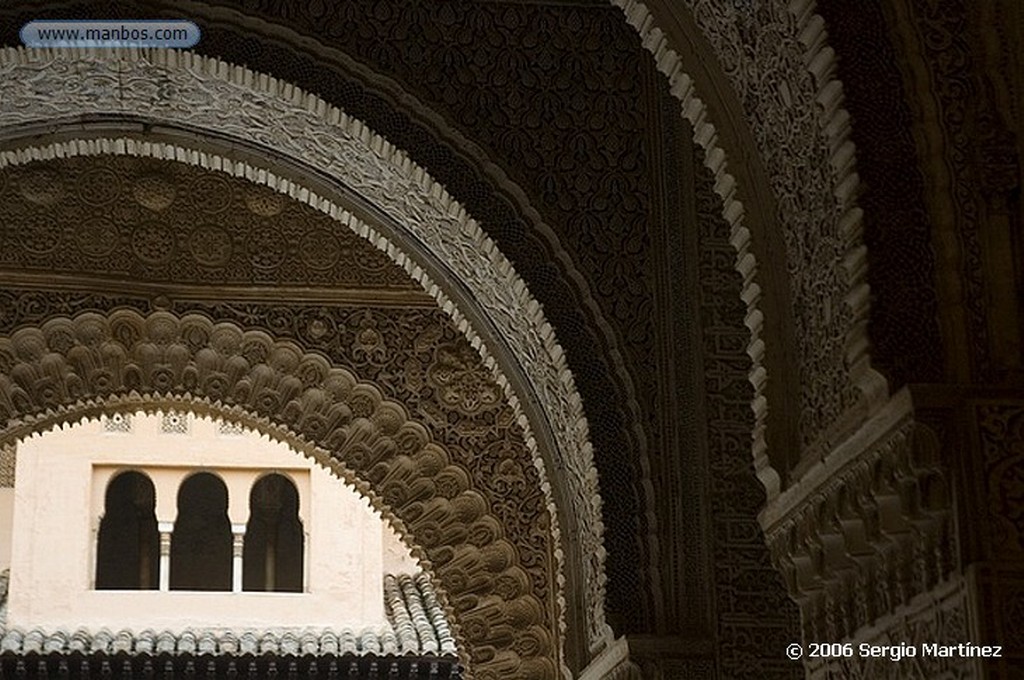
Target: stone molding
column 90, row 365
column 612, row 663
column 868, row 529
column 233, row 99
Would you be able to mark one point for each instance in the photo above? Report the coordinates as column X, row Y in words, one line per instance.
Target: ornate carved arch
column 787, row 94
column 388, row 179
column 69, row 368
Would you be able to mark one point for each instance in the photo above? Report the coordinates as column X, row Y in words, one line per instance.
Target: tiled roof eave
column 417, row 627
column 78, row 665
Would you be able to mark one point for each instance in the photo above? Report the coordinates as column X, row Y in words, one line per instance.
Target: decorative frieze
column 866, row 530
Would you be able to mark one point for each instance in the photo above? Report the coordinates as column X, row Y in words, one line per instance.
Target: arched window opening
column 128, row 545
column 201, row 542
column 274, row 543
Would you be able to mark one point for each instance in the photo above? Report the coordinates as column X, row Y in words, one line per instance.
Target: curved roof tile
column 416, row 627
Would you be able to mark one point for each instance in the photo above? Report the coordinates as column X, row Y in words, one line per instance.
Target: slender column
column 165, row 528
column 237, row 547
column 270, row 564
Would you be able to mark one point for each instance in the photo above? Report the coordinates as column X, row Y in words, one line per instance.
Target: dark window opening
column 201, row 542
column 273, row 552
column 128, row 546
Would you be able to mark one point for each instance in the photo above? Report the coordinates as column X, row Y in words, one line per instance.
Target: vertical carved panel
column 1001, row 439
column 941, row 618
column 906, row 344
column 756, row 619
column 8, row 463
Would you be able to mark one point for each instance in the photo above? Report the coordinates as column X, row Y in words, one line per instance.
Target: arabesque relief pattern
column 170, row 222
column 944, row 619
column 970, row 163
column 904, row 328
column 208, row 94
column 876, row 534
column 66, row 367
column 575, row 224
column 775, row 55
column 754, row 616
column 1001, row 435
column 508, row 102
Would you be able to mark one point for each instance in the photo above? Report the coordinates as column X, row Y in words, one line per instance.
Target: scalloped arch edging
column 67, row 369
column 210, row 94
column 808, row 29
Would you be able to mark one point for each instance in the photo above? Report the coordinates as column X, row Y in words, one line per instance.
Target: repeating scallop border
column 574, row 454
column 820, row 61
column 69, row 370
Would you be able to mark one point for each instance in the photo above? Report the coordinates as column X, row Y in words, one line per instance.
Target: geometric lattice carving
column 8, row 463
column 117, row 422
column 174, row 422
column 230, row 428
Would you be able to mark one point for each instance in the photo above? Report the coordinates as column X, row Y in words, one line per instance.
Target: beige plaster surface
column 59, row 500
column 6, row 526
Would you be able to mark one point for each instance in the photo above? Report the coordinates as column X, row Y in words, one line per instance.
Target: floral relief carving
column 224, row 99
column 461, row 383
column 775, row 56
column 521, row 134
column 166, row 230
column 65, row 368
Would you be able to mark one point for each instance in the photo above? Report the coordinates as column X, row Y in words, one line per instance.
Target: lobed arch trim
column 67, row 370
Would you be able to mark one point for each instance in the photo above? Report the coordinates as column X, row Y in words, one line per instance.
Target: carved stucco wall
column 754, row 618
column 442, row 485
column 303, row 114
column 775, row 58
column 148, row 220
column 594, row 215
column 790, row 61
column 61, row 205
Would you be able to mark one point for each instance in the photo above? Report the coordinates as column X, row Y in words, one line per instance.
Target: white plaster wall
column 58, row 502
column 397, row 559
column 6, row 526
